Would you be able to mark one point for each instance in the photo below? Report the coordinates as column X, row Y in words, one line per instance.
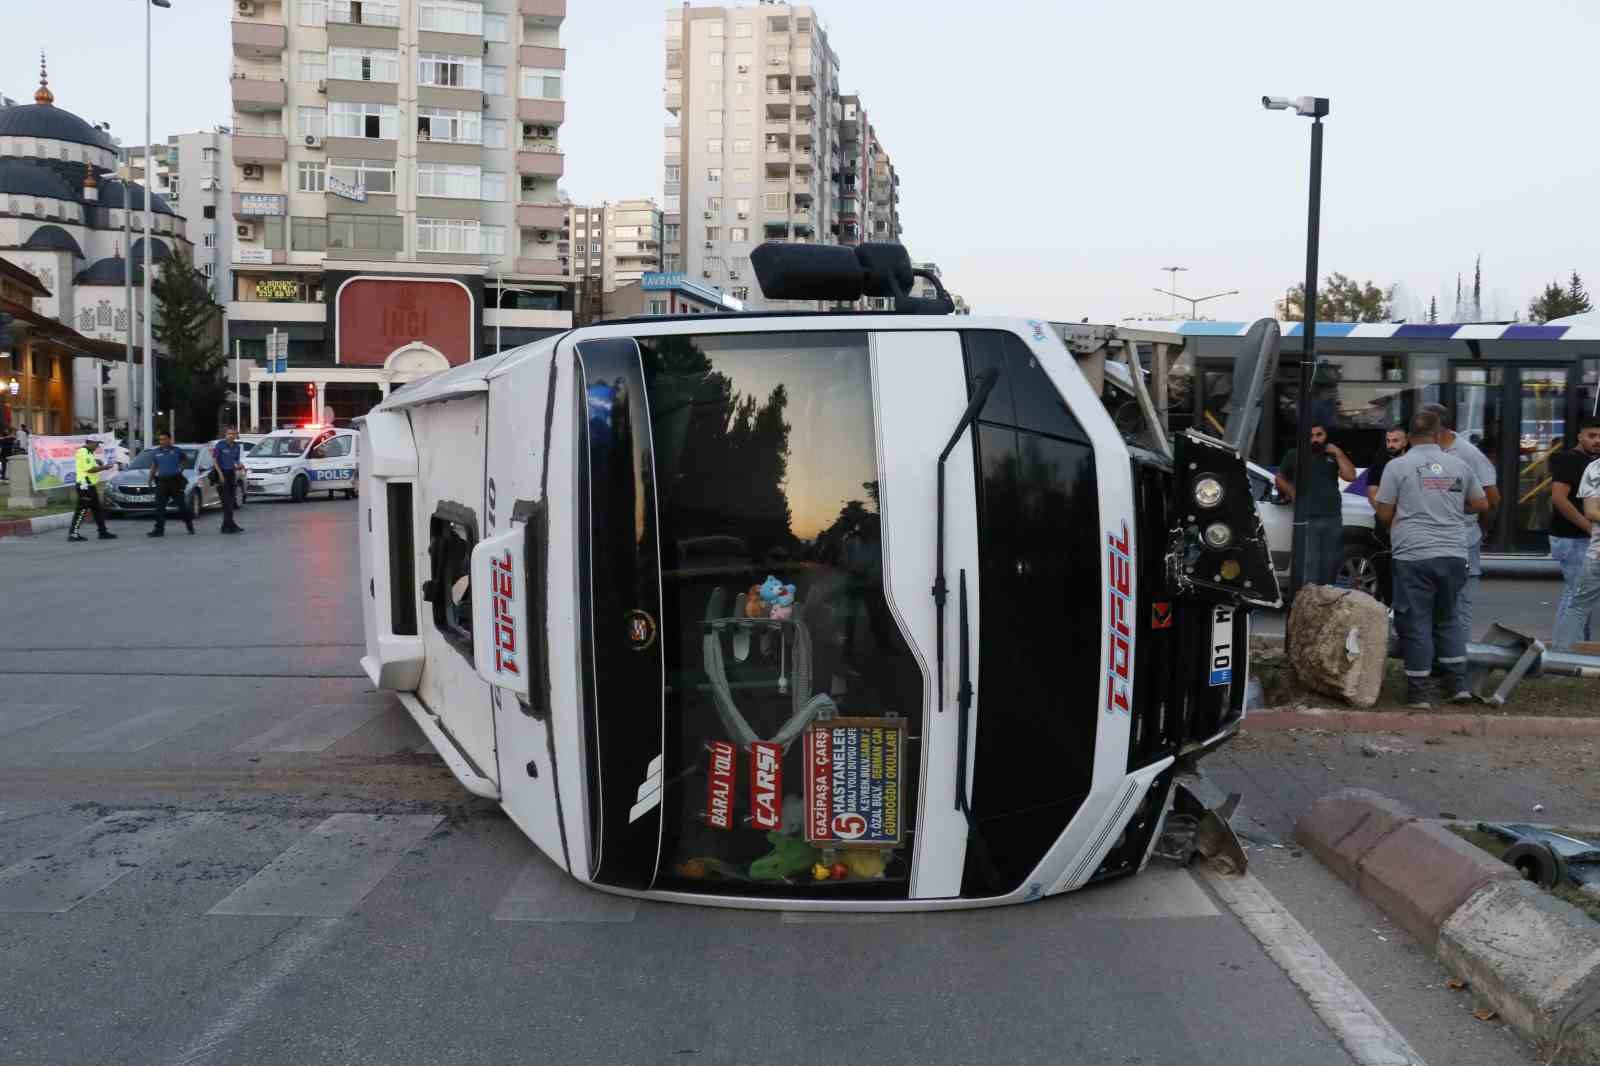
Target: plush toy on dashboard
column 753, row 607
column 777, row 598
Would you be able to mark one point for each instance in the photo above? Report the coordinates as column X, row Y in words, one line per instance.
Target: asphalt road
column 1527, row 605
column 219, row 845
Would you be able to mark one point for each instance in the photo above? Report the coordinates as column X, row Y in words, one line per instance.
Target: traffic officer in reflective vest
column 166, row 474
column 88, row 471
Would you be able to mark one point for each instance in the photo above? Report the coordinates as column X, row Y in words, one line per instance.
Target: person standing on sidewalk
column 8, row 441
column 1324, row 509
column 166, row 474
column 225, row 453
column 1453, row 443
column 1572, row 627
column 1422, row 499
column 1569, row 527
column 1396, row 439
column 88, row 480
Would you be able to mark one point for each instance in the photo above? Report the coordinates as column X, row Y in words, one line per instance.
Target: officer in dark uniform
column 166, row 474
column 226, row 455
column 88, row 476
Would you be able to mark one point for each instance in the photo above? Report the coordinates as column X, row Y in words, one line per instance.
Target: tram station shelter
column 1517, row 391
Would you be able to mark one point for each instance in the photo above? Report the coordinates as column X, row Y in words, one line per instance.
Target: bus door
column 1517, row 416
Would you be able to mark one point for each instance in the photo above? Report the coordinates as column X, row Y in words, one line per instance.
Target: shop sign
column 340, row 187
column 853, row 782
column 654, row 280
column 252, row 255
column 719, row 785
column 262, row 203
column 277, row 289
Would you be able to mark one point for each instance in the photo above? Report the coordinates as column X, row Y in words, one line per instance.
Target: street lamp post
column 1173, row 270
column 1316, row 109
column 1195, row 301
column 149, row 184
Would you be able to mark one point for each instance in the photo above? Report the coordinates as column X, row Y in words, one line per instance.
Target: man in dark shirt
column 1396, row 439
column 166, row 474
column 1569, row 528
column 1324, row 509
column 226, row 454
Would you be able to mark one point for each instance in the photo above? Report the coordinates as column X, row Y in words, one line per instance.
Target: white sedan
column 1365, row 555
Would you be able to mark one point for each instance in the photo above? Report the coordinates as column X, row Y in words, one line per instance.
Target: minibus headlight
column 1218, row 535
column 1208, row 493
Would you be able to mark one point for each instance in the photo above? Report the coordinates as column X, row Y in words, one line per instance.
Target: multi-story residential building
column 753, row 152
column 884, row 198
column 612, row 245
column 395, row 163
column 194, row 173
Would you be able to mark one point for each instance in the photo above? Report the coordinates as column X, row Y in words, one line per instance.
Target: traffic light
column 105, row 374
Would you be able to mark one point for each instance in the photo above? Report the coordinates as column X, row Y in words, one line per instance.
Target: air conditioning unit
column 545, row 236
column 544, row 131
column 744, row 214
column 710, row 214
column 744, row 68
column 711, row 244
column 247, row 8
column 705, row 273
column 322, row 85
column 733, row 274
column 252, row 171
column 244, row 230
column 313, row 141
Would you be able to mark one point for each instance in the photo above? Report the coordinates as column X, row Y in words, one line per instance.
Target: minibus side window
column 452, row 534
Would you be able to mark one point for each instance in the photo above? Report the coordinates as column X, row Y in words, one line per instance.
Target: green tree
column 1340, row 299
column 192, row 379
column 1433, row 309
column 1558, row 302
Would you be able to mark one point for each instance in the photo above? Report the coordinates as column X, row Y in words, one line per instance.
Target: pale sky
column 1056, row 154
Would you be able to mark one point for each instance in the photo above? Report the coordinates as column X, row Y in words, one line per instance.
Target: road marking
column 543, row 892
column 316, row 728
column 142, row 730
column 331, row 869
column 63, row 875
column 16, row 719
column 302, row 944
column 1357, row 1024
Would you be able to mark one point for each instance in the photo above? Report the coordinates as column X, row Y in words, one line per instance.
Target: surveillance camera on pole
column 1309, row 106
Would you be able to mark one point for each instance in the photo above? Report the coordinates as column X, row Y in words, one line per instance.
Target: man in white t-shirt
column 1586, row 594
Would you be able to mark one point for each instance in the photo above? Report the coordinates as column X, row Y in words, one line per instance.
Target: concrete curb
column 27, row 527
column 1530, row 956
column 1422, row 723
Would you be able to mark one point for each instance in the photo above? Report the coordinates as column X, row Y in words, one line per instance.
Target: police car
column 299, row 461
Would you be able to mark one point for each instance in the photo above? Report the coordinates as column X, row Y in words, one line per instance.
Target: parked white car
column 1365, row 560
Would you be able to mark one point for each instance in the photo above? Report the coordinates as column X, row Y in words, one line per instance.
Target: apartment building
column 753, row 153
column 194, row 173
column 612, row 245
column 883, row 197
column 395, row 164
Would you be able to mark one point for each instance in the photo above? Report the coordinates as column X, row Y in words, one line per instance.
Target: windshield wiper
column 980, row 395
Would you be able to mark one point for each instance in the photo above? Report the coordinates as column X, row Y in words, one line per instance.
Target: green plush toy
column 789, row 856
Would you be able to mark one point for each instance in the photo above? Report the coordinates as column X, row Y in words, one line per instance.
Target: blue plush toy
column 777, row 597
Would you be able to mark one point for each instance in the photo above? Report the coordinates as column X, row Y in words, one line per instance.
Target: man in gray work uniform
column 1453, row 443
column 1423, row 498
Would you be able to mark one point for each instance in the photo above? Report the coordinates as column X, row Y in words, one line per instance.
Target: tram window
column 774, row 616
column 1025, row 396
column 452, row 533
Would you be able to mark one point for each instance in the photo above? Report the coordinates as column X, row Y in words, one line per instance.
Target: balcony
column 550, row 12
column 352, row 13
column 259, row 148
column 777, row 157
column 777, row 103
column 548, row 164
column 259, row 94
column 541, row 215
column 546, row 58
column 542, row 112
column 258, row 40
column 804, row 105
column 542, row 268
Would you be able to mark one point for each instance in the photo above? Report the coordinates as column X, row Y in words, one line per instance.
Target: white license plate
column 1221, row 668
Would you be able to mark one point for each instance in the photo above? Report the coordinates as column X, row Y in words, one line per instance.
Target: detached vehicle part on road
column 297, row 462
column 835, row 611
column 130, row 492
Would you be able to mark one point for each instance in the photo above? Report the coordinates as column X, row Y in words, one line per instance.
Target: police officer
column 225, row 453
column 166, row 474
column 1423, row 498
column 88, row 471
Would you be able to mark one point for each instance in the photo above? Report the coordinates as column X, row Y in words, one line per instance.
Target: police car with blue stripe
column 299, row 461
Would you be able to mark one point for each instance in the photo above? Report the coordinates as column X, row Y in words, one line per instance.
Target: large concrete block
column 1338, row 643
column 1420, row 873
column 1340, row 828
column 1534, row 959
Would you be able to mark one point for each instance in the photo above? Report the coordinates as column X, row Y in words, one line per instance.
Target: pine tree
column 1477, row 287
column 1577, row 298
column 192, row 377
column 1433, row 309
